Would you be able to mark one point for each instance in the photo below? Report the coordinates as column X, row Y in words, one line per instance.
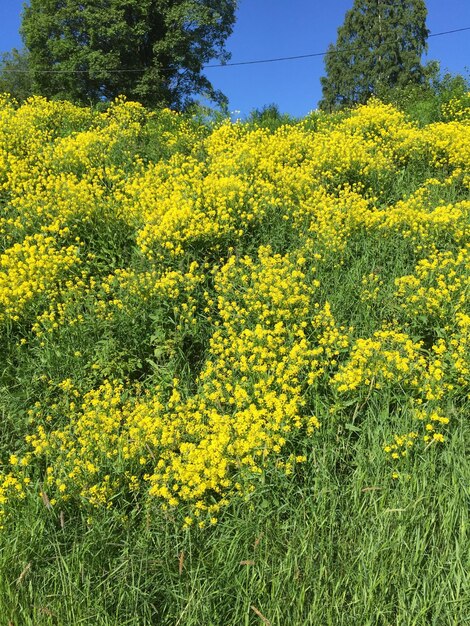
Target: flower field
column 189, row 311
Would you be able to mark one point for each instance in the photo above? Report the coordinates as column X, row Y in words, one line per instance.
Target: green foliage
column 379, row 46
column 152, row 51
column 426, row 102
column 269, row 117
column 15, row 77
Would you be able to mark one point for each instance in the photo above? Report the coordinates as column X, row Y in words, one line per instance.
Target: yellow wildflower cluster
column 433, row 418
column 29, row 269
column 199, row 298
column 439, row 285
column 386, row 357
column 371, row 284
column 457, row 108
column 401, row 444
column 248, row 402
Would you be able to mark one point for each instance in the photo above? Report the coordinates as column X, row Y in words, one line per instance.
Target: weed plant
column 235, row 376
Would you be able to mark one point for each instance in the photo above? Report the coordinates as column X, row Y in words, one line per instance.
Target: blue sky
column 273, row 28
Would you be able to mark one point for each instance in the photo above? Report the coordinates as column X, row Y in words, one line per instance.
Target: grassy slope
column 336, row 543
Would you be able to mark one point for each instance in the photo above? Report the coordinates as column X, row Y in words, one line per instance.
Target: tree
column 425, row 103
column 149, row 50
column 269, row 116
column 15, row 77
column 379, row 47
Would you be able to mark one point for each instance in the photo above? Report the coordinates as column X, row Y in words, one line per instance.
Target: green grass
column 337, row 543
column 340, row 543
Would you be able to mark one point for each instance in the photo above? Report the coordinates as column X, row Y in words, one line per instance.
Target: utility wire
column 237, row 63
column 317, row 54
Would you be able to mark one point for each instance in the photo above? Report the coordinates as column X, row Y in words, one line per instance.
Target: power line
column 315, row 54
column 449, row 32
column 237, row 63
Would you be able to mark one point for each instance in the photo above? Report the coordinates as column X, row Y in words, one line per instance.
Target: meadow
column 235, row 375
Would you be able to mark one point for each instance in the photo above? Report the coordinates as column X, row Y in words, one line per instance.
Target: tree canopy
column 149, row 50
column 15, row 77
column 378, row 47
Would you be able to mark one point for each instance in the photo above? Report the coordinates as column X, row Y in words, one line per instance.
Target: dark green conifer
column 379, row 47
